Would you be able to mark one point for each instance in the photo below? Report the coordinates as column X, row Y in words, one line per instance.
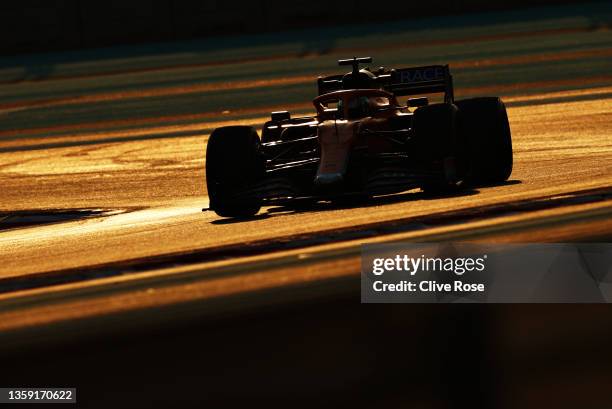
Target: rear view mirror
column 280, row 116
column 417, row 102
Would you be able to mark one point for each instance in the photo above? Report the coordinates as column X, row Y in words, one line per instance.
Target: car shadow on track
column 360, row 202
column 26, row 218
column 232, row 220
column 352, row 203
column 410, row 196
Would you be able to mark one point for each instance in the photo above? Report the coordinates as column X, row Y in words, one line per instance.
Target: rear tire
column 232, row 164
column 484, row 128
column 435, row 129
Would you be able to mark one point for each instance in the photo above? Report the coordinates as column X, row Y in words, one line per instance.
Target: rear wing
column 428, row 79
column 420, row 80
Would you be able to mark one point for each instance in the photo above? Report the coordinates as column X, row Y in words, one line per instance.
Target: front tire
column 232, row 164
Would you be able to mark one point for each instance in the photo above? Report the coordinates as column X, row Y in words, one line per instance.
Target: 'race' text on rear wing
column 428, row 79
column 420, row 80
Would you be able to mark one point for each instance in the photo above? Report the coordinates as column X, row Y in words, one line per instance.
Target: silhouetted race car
column 362, row 142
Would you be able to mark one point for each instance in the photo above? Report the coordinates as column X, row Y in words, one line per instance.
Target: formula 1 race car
column 362, row 142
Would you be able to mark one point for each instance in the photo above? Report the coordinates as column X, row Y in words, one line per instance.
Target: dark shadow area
column 230, row 220
column 333, row 352
column 350, row 203
column 318, row 33
column 26, row 218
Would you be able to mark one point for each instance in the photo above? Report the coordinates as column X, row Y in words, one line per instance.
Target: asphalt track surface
column 102, row 158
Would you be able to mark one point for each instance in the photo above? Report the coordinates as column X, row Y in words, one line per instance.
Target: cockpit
column 354, row 104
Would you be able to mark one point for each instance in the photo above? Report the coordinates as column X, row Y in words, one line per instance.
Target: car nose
column 336, row 139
